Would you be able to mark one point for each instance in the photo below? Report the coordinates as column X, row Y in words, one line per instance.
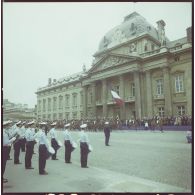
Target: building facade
column 150, row 73
column 12, row 111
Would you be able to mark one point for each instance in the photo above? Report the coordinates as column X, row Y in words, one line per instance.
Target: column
column 122, row 95
column 85, row 101
column 149, row 95
column 188, row 89
column 167, row 92
column 137, row 95
column 104, row 97
column 93, row 87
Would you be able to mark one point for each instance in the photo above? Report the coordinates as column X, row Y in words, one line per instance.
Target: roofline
column 127, row 42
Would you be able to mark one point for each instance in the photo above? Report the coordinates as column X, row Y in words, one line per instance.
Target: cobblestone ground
column 136, row 161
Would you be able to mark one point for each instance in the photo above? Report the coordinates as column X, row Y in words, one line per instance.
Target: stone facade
column 150, row 73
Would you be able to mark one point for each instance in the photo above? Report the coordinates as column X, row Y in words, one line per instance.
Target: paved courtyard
column 141, row 161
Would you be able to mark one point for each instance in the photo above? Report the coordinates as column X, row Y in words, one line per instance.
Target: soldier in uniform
column 107, row 133
column 6, row 146
column 17, row 144
column 68, row 144
column 84, row 146
column 30, row 139
column 54, row 142
column 23, row 140
column 43, row 151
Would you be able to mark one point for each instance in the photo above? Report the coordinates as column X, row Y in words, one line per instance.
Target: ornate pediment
column 109, row 61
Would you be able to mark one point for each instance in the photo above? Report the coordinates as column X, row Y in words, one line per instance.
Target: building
column 12, row 111
column 152, row 74
column 61, row 99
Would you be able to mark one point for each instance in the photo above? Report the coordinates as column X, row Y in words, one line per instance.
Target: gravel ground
column 164, row 158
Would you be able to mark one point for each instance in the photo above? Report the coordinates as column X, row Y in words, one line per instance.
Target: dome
column 132, row 26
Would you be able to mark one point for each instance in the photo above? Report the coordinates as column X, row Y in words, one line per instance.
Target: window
column 133, row 89
column 159, row 87
column 91, row 97
column 181, row 110
column 44, row 105
column 60, row 116
column 179, row 87
column 152, row 47
column 54, row 116
column 49, row 116
column 60, row 102
column 161, row 111
column 116, row 89
column 67, row 116
column 81, row 99
column 49, row 104
column 54, row 103
column 74, row 103
column 146, row 47
column 74, row 115
column 39, row 106
column 67, row 100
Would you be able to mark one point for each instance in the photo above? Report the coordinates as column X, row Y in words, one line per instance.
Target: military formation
column 22, row 137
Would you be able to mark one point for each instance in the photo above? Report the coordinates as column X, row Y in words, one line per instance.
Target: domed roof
column 133, row 26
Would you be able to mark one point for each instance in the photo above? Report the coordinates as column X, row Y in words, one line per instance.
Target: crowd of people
column 116, row 123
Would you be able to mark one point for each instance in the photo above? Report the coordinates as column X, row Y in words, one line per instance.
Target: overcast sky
column 43, row 40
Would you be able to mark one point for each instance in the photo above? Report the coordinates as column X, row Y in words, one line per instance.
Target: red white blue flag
column 117, row 98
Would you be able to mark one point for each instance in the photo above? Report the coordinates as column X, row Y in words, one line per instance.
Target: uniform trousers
column 9, row 149
column 107, row 137
column 84, row 153
column 17, row 146
column 23, row 142
column 68, row 150
column 55, row 146
column 29, row 153
column 5, row 156
column 42, row 158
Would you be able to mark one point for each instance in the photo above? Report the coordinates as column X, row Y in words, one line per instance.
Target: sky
column 54, row 40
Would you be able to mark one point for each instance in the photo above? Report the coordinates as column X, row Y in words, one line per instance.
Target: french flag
column 117, row 98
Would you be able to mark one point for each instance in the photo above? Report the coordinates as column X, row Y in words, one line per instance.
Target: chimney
column 161, row 32
column 49, row 81
column 189, row 34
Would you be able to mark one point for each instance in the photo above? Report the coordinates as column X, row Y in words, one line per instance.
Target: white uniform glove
column 12, row 139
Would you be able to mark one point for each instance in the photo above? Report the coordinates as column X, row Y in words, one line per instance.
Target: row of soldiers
column 22, row 136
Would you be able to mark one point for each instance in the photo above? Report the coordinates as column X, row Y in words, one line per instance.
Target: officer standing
column 107, row 133
column 54, row 142
column 30, row 138
column 23, row 140
column 17, row 144
column 68, row 144
column 84, row 146
column 6, row 145
column 43, row 151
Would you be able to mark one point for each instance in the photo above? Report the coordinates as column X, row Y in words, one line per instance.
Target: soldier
column 84, row 146
column 6, row 144
column 68, row 144
column 17, row 143
column 54, row 142
column 23, row 140
column 30, row 140
column 43, row 151
column 107, row 133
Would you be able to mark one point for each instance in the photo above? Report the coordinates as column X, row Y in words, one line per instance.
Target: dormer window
column 132, row 27
column 149, row 28
column 146, row 47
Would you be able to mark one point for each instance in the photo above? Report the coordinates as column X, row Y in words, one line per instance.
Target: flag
column 117, row 98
